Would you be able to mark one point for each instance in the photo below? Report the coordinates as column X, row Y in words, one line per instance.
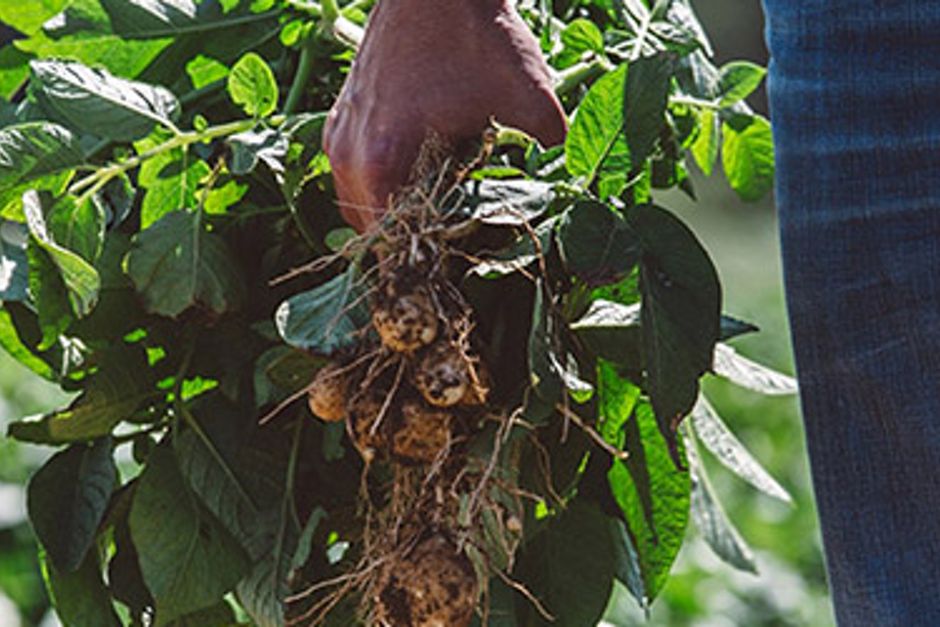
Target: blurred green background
column 704, row 592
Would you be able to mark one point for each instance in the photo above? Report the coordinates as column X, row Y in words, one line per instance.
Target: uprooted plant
column 500, row 368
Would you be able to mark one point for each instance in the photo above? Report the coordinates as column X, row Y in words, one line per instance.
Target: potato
column 327, row 394
column 406, row 322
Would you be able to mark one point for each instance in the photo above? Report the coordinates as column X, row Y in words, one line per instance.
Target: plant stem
column 568, row 79
column 92, row 183
column 302, row 77
column 697, row 103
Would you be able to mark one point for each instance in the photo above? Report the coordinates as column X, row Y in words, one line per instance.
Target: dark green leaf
column 544, row 376
column 14, row 267
column 146, row 19
column 747, row 154
column 629, row 569
column 35, row 149
column 680, row 315
column 511, row 202
column 189, row 561
column 653, row 495
column 177, row 263
column 49, row 296
column 264, row 145
column 252, row 86
column 647, row 91
column 570, row 566
column 99, row 103
column 612, row 331
column 67, row 499
column 327, row 318
column 711, row 520
column 79, row 276
column 80, row 598
column 522, row 253
column 732, row 327
column 121, row 384
column 78, row 227
column 715, row 435
column 597, row 244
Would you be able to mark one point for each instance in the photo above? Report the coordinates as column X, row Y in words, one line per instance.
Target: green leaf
column 252, row 86
column 14, row 267
column 171, row 180
column 750, row 374
column 327, row 318
column 67, row 499
column 578, row 37
column 99, row 103
column 49, row 296
column 218, row 615
column 78, row 227
column 715, row 435
column 747, row 154
column 596, row 146
column 705, row 147
column 544, row 375
column 121, row 384
column 80, row 598
column 680, row 315
column 36, row 149
column 570, row 566
column 618, row 121
column 738, row 80
column 147, row 19
column 188, row 560
column 629, row 569
column 203, row 71
column 597, row 244
column 79, row 276
column 653, row 495
column 177, row 263
column 266, row 146
column 612, row 331
column 519, row 255
column 507, row 202
column 14, row 345
column 647, row 92
column 711, row 520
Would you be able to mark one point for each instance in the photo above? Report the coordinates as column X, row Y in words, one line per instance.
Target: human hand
column 447, row 66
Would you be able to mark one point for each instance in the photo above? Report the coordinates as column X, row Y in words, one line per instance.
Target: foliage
column 146, row 211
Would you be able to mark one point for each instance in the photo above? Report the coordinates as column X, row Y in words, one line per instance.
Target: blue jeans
column 855, row 101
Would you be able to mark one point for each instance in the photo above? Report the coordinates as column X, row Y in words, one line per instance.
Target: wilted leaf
column 717, row 438
column 327, row 318
column 751, row 375
column 612, row 331
column 711, row 520
column 99, row 103
column 177, row 263
column 67, row 499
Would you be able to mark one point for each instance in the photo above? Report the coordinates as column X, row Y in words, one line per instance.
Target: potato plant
column 487, row 410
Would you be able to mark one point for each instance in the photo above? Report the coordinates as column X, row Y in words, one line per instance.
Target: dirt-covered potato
column 327, row 394
column 445, row 377
column 421, row 434
column 362, row 417
column 406, row 321
column 435, row 586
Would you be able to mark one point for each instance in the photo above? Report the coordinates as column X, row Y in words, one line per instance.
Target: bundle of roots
column 415, row 396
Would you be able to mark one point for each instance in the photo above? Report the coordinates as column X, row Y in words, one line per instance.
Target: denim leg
column 855, row 101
